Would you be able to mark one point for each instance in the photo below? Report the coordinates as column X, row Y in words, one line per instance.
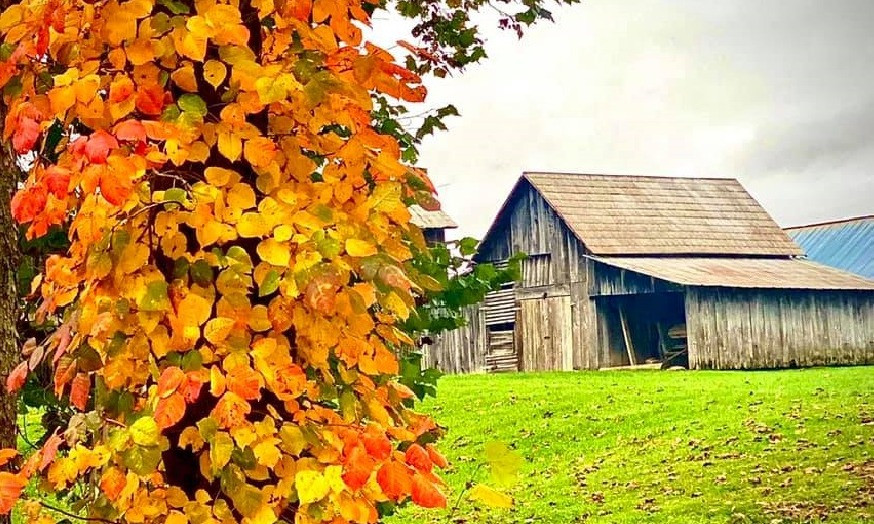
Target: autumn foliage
column 226, row 318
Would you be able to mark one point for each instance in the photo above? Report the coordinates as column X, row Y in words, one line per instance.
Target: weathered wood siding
column 556, row 266
column 610, row 280
column 460, row 350
column 545, row 333
column 754, row 329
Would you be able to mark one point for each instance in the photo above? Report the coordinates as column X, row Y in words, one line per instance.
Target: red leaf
column 394, row 479
column 57, row 181
column 28, row 203
column 169, row 410
column 11, row 485
column 418, row 458
column 50, row 450
column 377, row 445
column 99, row 145
column 170, row 380
column 359, row 466
column 17, row 378
column 65, row 370
column 426, row 494
column 131, row 130
column 80, row 391
column 25, row 135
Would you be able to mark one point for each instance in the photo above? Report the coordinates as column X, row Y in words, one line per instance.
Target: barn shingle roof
column 643, row 215
column 426, row 219
column 764, row 273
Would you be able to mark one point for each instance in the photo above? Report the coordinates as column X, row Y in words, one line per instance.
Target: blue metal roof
column 845, row 244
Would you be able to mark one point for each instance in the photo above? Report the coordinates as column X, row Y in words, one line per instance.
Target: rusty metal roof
column 426, row 219
column 644, row 215
column 766, row 273
column 845, row 244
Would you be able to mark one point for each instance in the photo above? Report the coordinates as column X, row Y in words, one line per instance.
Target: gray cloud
column 779, row 94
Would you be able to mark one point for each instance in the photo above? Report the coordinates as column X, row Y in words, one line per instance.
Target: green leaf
column 155, row 298
column 220, row 449
column 269, row 284
column 248, row 500
column 176, row 194
column 201, row 273
column 192, row 103
column 144, row 432
column 174, row 6
column 467, row 246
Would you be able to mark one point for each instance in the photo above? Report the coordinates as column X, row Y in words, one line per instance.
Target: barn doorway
column 648, row 328
column 545, row 334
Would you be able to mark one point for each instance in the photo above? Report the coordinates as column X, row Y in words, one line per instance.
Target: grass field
column 640, row 446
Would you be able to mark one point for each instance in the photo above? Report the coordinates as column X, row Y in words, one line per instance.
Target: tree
column 230, row 327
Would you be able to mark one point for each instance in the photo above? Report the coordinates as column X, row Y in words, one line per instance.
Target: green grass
column 641, row 446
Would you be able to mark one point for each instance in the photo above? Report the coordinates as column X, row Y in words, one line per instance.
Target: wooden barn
column 632, row 270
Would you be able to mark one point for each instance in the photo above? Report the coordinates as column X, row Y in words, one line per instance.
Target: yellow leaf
column 252, row 225
column 144, row 431
column 214, row 72
column 397, row 306
column 220, row 177
column 176, row 517
column 241, row 196
column 386, row 196
column 267, row 453
column 274, row 252
column 260, row 151
column 220, row 449
column 311, row 486
column 190, row 436
column 194, row 310
column 184, row 78
column 503, row 462
column 218, row 329
column 360, row 248
column 489, row 497
column 230, row 146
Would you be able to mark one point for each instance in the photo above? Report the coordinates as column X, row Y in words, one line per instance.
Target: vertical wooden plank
column 626, row 336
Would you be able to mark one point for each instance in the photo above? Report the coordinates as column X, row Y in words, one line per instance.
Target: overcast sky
column 776, row 93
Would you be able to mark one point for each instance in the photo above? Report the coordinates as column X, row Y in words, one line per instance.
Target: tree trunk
column 9, row 355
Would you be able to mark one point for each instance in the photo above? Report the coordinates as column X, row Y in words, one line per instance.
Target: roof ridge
column 525, row 174
column 831, row 222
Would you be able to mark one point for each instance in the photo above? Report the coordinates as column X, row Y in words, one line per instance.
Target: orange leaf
column 427, row 495
column 115, row 187
column 80, row 391
column 112, row 482
column 150, row 99
column 6, row 455
column 377, row 445
column 28, row 203
column 170, row 381
column 394, row 479
column 17, row 377
column 417, row 457
column 170, row 410
column 245, row 382
column 57, row 181
column 436, row 457
column 359, row 466
column 11, row 485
